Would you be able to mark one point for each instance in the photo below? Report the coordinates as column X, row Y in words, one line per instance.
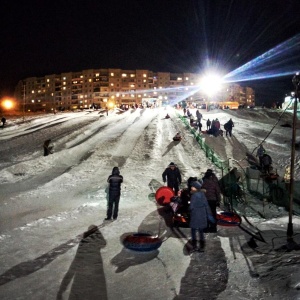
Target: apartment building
column 101, row 88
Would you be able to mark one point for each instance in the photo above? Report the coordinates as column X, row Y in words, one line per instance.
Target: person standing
column 200, row 213
column 208, row 123
column 172, row 176
column 260, row 152
column 3, row 120
column 114, row 180
column 228, row 127
column 198, row 115
column 213, row 196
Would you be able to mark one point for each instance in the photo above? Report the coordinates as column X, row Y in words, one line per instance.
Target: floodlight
column 211, row 84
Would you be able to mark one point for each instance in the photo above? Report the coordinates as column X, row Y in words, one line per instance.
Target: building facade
column 101, row 88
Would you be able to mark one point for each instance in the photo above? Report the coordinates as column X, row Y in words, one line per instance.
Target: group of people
column 205, row 198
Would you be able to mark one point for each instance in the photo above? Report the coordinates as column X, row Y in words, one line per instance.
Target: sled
column 142, row 242
column 228, row 218
column 163, row 195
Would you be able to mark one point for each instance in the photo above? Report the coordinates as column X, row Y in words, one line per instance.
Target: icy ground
column 47, row 203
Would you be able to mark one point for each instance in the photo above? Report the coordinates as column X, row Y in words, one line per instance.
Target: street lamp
column 291, row 244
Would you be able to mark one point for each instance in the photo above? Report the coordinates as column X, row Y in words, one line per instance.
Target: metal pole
column 23, row 102
column 290, row 231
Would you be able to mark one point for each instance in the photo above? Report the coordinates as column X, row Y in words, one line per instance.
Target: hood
column 115, row 171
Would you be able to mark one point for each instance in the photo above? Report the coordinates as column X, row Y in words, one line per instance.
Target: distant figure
column 191, row 119
column 177, row 137
column 200, row 214
column 47, row 148
column 260, row 152
column 199, row 127
column 114, row 180
column 167, row 116
column 266, row 163
column 3, row 120
column 228, row 127
column 172, row 176
column 213, row 196
column 184, row 111
column 198, row 115
column 208, row 123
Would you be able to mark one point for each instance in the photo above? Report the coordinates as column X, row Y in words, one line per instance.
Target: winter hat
column 196, row 184
column 172, row 164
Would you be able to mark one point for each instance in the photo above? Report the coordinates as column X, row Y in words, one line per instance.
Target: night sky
column 40, row 37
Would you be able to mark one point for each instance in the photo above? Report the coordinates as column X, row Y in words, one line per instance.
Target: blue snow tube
column 142, row 242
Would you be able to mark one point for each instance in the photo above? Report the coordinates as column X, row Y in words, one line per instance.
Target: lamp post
column 23, row 101
column 291, row 245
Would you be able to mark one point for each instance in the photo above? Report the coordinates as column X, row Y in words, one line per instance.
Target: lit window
column 112, row 74
column 32, row 100
column 144, row 80
column 64, row 88
column 186, row 78
column 48, row 80
column 132, row 75
column 118, row 95
column 132, row 85
column 179, row 78
column 32, row 91
column 131, row 95
column 139, row 96
column 111, row 84
column 81, row 76
column 90, row 80
column 124, row 75
column 64, row 78
column 144, row 75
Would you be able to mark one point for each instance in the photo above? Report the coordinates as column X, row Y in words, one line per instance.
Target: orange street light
column 7, row 104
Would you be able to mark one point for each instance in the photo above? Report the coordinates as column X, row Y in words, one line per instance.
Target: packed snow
column 55, row 243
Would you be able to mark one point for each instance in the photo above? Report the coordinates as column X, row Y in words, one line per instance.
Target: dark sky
column 43, row 37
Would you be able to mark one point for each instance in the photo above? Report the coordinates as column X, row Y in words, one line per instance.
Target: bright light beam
column 280, row 61
column 211, row 84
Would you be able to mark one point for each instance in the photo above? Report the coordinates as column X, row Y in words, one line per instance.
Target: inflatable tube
column 142, row 242
column 176, row 139
column 227, row 218
column 163, row 195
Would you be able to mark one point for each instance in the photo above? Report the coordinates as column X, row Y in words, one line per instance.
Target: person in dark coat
column 200, row 213
column 198, row 115
column 260, row 152
column 228, row 127
column 3, row 120
column 47, row 148
column 114, row 180
column 172, row 176
column 213, row 196
column 266, row 163
column 208, row 123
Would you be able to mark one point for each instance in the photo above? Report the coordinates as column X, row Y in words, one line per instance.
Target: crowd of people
column 213, row 127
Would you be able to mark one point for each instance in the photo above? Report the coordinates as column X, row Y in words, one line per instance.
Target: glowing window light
column 186, row 78
column 112, row 74
column 144, row 75
column 32, row 91
column 111, row 84
column 132, row 75
column 124, row 75
column 131, row 95
column 179, row 78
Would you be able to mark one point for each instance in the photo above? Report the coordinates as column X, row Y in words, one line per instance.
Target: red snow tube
column 142, row 242
column 163, row 195
column 227, row 218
